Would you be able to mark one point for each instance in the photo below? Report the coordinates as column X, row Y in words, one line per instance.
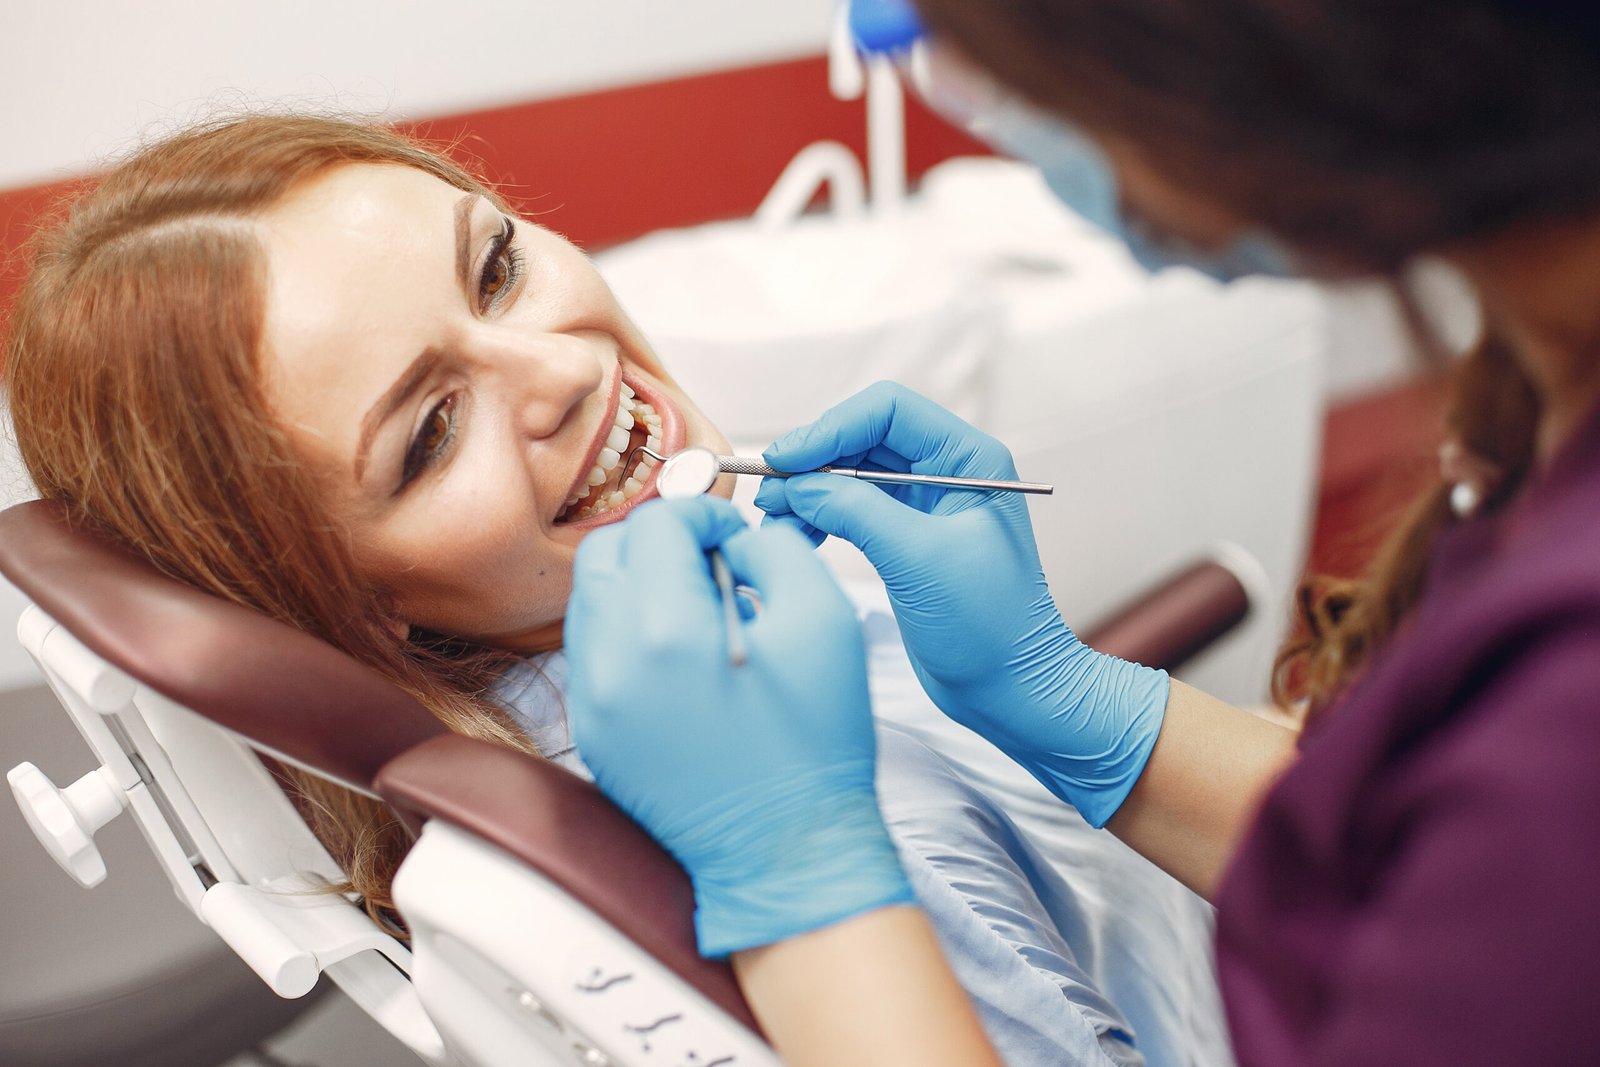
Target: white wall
column 79, row 82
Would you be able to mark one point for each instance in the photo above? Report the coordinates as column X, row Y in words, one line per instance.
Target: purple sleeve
column 1480, row 942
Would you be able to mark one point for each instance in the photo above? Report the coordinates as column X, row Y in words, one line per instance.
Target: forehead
column 356, row 259
column 337, row 240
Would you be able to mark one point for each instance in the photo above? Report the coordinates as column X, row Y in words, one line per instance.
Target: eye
column 501, row 269
column 433, row 439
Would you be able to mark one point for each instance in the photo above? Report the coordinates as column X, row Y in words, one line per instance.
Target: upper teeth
column 630, row 410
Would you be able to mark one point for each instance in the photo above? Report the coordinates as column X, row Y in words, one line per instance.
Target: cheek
column 484, row 577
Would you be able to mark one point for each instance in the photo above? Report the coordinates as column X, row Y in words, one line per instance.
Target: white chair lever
column 65, row 820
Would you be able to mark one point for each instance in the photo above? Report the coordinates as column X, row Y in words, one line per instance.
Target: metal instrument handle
column 744, row 465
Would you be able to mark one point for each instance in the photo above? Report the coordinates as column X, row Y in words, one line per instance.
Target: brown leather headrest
column 563, row 827
column 266, row 681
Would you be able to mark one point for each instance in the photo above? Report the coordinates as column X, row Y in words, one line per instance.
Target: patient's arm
column 872, row 990
column 1211, row 766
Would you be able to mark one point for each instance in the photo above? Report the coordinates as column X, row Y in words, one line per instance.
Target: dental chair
column 545, row 926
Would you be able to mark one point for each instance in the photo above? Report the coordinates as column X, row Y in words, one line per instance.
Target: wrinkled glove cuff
column 1096, row 781
column 799, row 855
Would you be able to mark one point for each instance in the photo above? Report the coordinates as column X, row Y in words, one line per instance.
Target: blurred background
column 1274, row 424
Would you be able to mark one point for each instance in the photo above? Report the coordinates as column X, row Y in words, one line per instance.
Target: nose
column 544, row 376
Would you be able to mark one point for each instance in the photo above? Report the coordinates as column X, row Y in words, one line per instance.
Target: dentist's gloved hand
column 758, row 778
column 964, row 577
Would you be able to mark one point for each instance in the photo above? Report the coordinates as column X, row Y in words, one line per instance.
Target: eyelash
column 420, row 455
column 501, row 249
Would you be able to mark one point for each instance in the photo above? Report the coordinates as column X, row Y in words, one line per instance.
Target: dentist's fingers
column 858, row 512
column 778, row 563
column 649, row 575
column 849, row 428
column 599, row 556
column 599, row 586
column 793, row 522
column 884, row 414
column 709, row 520
column 773, row 499
column 600, row 606
column 770, row 496
column 603, row 592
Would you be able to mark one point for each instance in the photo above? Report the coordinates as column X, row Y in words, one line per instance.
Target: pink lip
column 672, row 440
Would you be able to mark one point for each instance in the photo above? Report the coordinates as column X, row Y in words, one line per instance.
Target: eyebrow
column 411, row 380
column 393, row 399
column 463, row 215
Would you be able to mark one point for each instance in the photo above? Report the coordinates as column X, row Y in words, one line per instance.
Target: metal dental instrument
column 690, row 473
column 743, row 465
column 723, row 574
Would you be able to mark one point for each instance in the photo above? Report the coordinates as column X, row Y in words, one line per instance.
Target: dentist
column 1412, row 879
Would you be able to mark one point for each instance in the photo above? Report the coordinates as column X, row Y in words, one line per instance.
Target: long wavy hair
column 133, row 364
column 1360, row 134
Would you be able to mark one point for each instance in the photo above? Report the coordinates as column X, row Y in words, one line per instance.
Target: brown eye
column 501, row 269
column 495, row 278
column 432, row 440
column 435, row 430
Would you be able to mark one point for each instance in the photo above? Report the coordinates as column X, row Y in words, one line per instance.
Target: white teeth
column 630, row 412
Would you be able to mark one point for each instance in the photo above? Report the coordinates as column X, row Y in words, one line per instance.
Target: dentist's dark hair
column 1361, row 135
column 134, row 368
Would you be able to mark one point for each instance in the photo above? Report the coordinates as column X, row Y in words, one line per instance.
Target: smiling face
column 467, row 388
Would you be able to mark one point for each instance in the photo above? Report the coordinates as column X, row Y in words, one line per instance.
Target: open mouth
column 621, row 472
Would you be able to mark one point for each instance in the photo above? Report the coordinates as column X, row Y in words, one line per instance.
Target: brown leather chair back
column 286, row 691
column 295, row 696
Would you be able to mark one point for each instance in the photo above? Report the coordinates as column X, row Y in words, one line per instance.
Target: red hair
column 135, row 379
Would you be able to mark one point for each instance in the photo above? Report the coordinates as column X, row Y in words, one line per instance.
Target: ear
column 399, row 628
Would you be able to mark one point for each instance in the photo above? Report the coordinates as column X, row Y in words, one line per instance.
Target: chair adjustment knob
column 65, row 820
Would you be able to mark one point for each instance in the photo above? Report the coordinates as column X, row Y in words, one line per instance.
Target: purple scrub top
column 1423, row 886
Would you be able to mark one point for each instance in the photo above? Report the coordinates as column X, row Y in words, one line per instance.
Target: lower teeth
column 636, row 471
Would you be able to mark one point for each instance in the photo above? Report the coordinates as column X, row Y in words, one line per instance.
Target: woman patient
column 319, row 370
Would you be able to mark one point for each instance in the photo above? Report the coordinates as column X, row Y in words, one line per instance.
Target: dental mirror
column 687, row 473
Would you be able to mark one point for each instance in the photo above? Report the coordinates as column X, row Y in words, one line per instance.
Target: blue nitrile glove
column 758, row 778
column 964, row 577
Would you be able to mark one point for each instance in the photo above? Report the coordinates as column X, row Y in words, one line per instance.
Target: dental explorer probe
column 744, row 465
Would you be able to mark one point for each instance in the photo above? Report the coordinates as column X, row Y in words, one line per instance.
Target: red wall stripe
column 607, row 166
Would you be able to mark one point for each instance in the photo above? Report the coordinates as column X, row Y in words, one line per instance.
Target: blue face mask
column 1073, row 166
column 1081, row 176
